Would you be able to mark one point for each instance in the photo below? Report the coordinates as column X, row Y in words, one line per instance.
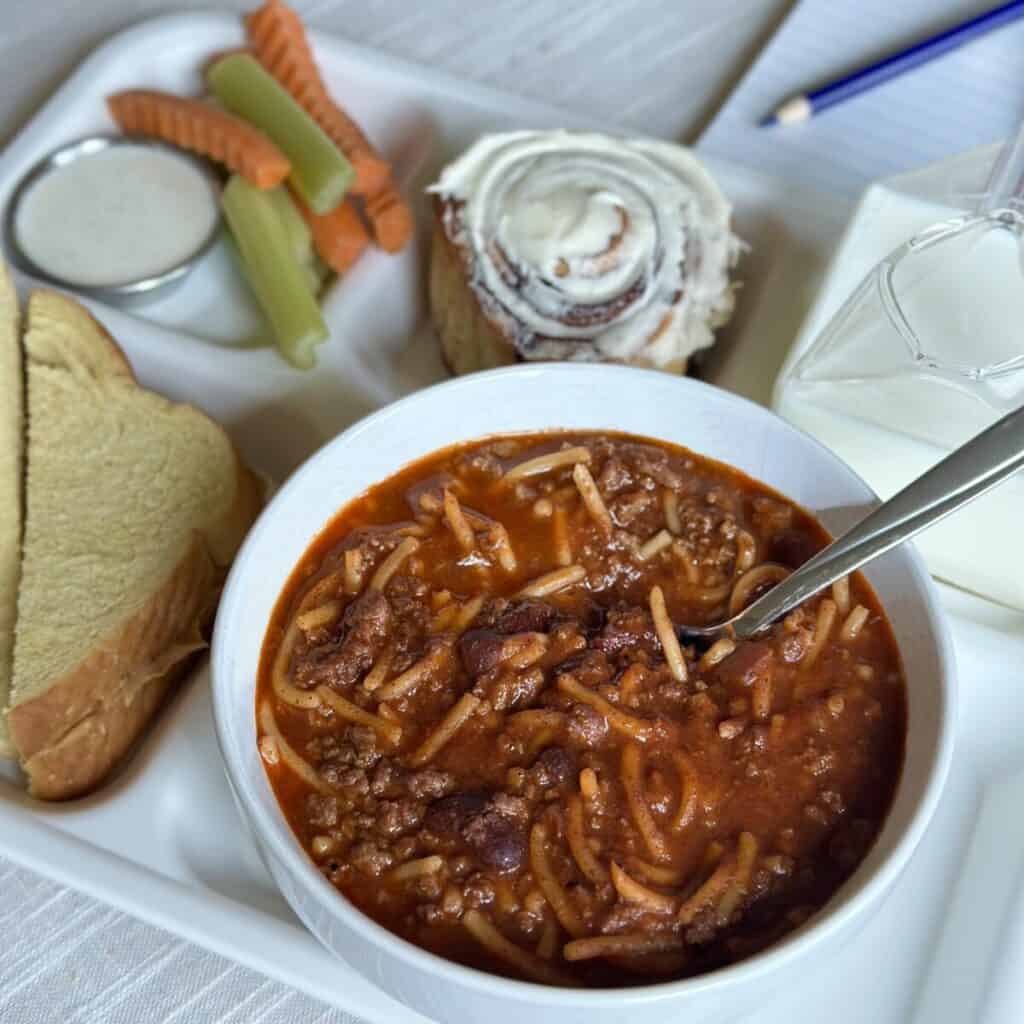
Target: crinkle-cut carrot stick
column 373, row 172
column 339, row 236
column 278, row 39
column 193, row 125
column 390, row 218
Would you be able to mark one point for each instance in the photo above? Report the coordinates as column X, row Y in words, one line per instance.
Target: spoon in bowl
column 966, row 474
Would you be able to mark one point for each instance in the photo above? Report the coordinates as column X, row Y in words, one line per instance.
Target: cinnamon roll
column 555, row 245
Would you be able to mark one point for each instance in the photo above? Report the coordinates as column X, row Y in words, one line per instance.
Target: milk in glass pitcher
column 927, row 352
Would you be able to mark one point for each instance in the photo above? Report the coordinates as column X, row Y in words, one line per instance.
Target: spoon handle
column 966, row 474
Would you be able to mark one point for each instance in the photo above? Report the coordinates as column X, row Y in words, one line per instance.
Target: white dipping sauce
column 118, row 215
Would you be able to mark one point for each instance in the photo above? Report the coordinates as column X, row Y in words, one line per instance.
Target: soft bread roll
column 470, row 341
column 135, row 507
column 579, row 246
column 12, row 441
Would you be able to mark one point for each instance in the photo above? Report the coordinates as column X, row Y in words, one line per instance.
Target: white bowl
column 530, row 398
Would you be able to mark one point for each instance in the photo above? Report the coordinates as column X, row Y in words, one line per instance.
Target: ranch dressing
column 118, row 215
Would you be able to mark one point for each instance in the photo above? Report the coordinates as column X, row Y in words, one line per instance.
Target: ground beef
column 356, row 747
column 516, row 690
column 567, row 638
column 387, row 778
column 344, row 659
column 410, row 614
column 525, row 616
column 587, row 728
column 653, row 464
column 395, row 817
column 628, row 508
column 485, row 463
column 553, row 767
column 698, row 522
column 515, row 808
column 614, row 476
column 322, row 811
column 591, row 667
column 479, row 891
column 352, row 781
column 369, row 858
column 367, row 620
column 365, row 741
column 429, row 784
column 709, row 534
column 627, row 630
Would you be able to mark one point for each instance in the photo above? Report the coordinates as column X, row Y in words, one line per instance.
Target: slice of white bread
column 12, row 443
column 135, row 507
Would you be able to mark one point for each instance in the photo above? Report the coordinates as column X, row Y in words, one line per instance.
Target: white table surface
column 659, row 66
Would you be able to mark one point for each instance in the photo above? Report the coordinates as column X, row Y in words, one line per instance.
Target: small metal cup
column 128, row 293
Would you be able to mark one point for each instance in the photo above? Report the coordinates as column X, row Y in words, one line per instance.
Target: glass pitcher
column 927, row 352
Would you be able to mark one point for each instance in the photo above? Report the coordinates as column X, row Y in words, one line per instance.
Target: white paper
column 965, row 98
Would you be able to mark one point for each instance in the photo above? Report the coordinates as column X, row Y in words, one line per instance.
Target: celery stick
column 318, row 273
column 320, row 174
column 276, row 278
column 263, row 336
column 300, row 238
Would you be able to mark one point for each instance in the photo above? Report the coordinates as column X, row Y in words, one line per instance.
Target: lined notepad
column 966, row 98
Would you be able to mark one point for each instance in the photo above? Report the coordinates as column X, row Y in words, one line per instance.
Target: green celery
column 320, row 174
column 263, row 336
column 300, row 238
column 275, row 276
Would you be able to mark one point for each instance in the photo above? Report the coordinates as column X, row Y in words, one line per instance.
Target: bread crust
column 470, row 339
column 72, row 736
column 111, row 357
column 224, row 541
column 12, row 450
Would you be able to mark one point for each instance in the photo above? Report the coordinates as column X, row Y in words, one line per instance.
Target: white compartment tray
column 164, row 841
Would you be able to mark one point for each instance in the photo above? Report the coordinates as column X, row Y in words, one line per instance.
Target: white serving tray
column 164, row 841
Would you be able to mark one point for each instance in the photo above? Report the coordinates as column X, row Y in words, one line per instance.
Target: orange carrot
column 279, row 42
column 391, row 219
column 373, row 172
column 339, row 236
column 278, row 39
column 193, row 125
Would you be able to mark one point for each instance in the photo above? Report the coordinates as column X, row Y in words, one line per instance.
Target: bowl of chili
column 479, row 763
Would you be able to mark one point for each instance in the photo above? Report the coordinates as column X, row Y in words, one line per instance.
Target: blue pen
column 800, row 108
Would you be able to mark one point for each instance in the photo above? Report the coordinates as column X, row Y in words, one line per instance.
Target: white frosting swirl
column 590, row 247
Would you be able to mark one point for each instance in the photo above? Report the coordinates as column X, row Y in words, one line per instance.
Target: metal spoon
column 966, row 474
